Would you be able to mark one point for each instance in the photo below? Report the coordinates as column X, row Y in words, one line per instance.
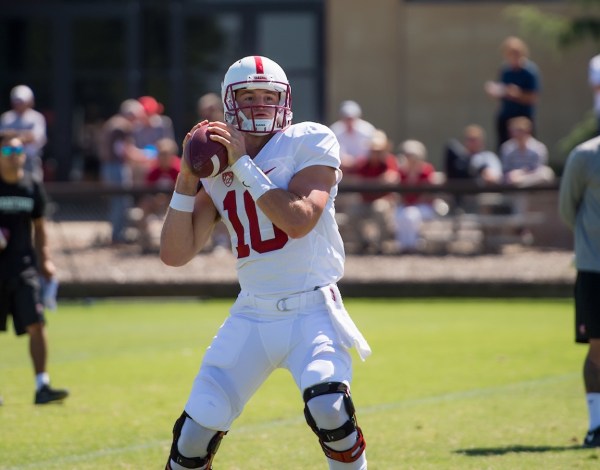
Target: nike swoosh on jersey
column 269, row 171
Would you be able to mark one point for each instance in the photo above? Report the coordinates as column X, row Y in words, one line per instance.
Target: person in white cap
column 374, row 210
column 415, row 208
column 118, row 156
column 353, row 133
column 29, row 125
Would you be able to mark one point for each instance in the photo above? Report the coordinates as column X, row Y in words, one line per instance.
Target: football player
column 276, row 199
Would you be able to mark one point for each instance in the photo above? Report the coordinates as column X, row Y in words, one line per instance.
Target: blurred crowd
column 137, row 146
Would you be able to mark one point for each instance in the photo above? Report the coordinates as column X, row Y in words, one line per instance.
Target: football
column 205, row 157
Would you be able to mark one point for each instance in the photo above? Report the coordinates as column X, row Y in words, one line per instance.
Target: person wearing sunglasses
column 24, row 257
column 29, row 125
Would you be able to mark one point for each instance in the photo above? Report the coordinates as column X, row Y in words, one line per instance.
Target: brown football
column 204, row 156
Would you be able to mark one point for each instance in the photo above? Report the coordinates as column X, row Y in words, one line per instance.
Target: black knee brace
column 330, row 435
column 192, row 462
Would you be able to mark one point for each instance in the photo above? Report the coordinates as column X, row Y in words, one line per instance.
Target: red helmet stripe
column 259, row 64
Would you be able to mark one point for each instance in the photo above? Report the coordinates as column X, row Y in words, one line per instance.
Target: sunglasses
column 9, row 150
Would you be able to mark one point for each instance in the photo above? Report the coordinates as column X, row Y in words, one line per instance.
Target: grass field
column 451, row 384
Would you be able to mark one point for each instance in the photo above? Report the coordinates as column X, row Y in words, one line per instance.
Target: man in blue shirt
column 517, row 88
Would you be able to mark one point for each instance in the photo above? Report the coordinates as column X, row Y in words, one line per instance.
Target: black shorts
column 20, row 298
column 587, row 306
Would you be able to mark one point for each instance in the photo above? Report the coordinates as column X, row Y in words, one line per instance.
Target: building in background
column 417, row 67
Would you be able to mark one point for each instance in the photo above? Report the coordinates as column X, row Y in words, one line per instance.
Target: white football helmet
column 256, row 72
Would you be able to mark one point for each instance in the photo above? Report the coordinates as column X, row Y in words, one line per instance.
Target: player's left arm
column 296, row 210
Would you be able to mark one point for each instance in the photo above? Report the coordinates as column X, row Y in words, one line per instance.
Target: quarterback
column 276, row 199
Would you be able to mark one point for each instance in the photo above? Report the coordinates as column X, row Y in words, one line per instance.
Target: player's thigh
column 587, row 306
column 234, row 366
column 319, row 356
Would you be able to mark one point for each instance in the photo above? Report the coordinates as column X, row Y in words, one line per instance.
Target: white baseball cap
column 350, row 109
column 21, row 93
column 415, row 148
column 379, row 140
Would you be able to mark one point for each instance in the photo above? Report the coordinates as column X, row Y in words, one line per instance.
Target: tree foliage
column 582, row 23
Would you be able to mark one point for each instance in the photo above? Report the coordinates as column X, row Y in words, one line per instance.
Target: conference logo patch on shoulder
column 227, row 178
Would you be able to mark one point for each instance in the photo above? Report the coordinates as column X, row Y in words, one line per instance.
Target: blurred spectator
column 118, row 153
column 353, row 133
column 30, row 126
column 517, row 87
column 594, row 81
column 374, row 210
column 210, row 107
column 162, row 174
column 470, row 159
column 415, row 208
column 524, row 158
column 524, row 163
column 151, row 127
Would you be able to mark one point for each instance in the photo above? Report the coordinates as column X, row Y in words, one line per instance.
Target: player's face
column 262, row 102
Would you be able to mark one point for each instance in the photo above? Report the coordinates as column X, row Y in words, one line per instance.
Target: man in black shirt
column 23, row 258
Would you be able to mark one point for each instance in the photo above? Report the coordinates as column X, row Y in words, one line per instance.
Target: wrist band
column 181, row 202
column 252, row 177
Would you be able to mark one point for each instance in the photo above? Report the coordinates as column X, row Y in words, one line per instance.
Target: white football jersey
column 268, row 261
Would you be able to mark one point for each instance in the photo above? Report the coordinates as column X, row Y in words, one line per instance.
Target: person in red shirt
column 415, row 208
column 162, row 174
column 371, row 218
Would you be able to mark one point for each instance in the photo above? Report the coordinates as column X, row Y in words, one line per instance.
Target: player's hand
column 185, row 170
column 231, row 138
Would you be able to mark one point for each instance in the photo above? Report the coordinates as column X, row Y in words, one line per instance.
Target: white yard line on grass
column 252, row 428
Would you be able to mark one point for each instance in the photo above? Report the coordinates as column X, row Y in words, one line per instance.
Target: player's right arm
column 184, row 234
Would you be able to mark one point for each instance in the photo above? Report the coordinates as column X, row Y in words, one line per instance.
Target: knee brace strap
column 349, row 455
column 330, row 435
column 193, row 462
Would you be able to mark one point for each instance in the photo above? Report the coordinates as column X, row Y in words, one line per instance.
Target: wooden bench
column 478, row 231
